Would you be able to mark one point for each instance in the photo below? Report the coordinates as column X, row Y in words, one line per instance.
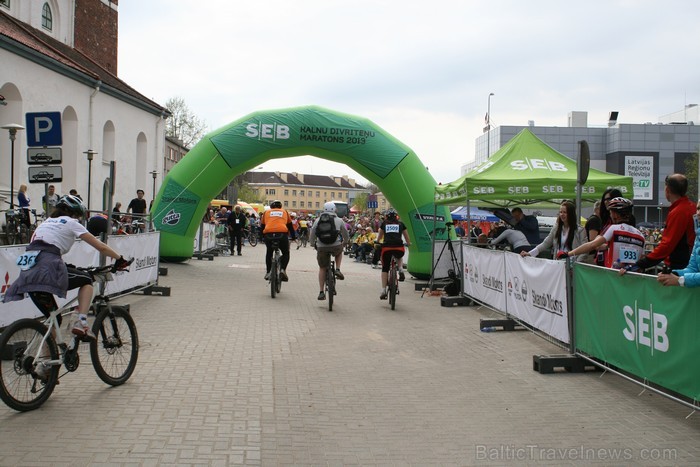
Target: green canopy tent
column 526, row 171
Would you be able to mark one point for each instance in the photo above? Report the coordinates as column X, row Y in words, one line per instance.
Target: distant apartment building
column 303, row 193
column 175, row 150
column 646, row 151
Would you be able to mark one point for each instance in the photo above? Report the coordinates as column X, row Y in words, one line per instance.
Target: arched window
column 46, row 17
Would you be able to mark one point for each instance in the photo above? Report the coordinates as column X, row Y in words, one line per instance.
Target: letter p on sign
column 44, row 129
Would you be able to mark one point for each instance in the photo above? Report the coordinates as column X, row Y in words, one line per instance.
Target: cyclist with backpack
column 276, row 226
column 328, row 235
column 392, row 236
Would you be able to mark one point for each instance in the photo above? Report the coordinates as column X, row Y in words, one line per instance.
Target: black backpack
column 326, row 231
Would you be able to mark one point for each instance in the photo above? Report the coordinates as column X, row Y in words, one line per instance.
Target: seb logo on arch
column 272, row 131
column 644, row 327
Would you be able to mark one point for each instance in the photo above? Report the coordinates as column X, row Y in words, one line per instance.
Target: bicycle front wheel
column 21, row 365
column 115, row 351
column 252, row 239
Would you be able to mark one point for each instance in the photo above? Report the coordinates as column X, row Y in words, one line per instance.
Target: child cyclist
column 392, row 235
column 43, row 269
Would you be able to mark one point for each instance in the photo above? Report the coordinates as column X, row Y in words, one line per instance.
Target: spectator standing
column 138, row 204
column 116, row 212
column 516, row 238
column 593, row 228
column 690, row 275
column 51, row 198
column 74, row 192
column 23, row 200
column 679, row 232
column 236, row 223
column 527, row 225
column 565, row 235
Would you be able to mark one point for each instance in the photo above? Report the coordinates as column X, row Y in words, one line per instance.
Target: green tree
column 183, row 124
column 361, row 201
column 691, row 171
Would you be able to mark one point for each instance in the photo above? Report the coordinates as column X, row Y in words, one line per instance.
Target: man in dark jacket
column 527, row 225
column 236, row 223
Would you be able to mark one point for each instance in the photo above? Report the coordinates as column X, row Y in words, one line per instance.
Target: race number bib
column 628, row 255
column 391, row 228
column 27, row 260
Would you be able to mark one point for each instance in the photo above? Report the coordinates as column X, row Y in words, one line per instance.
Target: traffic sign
column 44, row 156
column 44, row 129
column 45, row 174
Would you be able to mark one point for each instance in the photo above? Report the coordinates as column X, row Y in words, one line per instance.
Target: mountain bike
column 14, row 226
column 33, row 351
column 303, row 238
column 275, row 269
column 251, row 235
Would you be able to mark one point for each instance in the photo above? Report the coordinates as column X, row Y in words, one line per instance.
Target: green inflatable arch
column 272, row 134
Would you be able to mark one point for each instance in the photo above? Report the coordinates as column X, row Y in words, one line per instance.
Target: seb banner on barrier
column 639, row 326
column 532, row 290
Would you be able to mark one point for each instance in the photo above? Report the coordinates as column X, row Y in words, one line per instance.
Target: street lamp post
column 154, row 174
column 13, row 129
column 90, row 155
column 488, row 127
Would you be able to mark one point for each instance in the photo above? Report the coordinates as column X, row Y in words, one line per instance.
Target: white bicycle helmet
column 329, row 206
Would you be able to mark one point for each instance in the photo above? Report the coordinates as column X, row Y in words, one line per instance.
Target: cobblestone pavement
column 229, row 376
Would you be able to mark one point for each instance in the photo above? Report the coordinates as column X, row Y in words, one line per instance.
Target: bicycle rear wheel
column 252, row 239
column 279, row 281
column 330, row 285
column 393, row 284
column 274, row 278
column 20, row 387
column 115, row 351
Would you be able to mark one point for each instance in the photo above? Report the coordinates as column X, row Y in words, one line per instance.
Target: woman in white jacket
column 564, row 236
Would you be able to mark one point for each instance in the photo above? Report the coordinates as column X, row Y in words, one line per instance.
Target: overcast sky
column 420, row 70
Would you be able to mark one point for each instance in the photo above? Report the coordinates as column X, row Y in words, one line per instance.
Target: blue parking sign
column 44, row 129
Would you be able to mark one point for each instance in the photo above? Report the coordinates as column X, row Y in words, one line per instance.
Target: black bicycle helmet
column 276, row 204
column 392, row 214
column 73, row 205
column 619, row 204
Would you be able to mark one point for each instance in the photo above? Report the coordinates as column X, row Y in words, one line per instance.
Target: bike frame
column 52, row 321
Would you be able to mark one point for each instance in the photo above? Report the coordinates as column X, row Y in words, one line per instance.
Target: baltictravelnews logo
column 171, row 218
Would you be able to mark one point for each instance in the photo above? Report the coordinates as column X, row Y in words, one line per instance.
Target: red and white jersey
column 625, row 244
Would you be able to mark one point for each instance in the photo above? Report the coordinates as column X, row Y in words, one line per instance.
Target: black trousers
column 237, row 240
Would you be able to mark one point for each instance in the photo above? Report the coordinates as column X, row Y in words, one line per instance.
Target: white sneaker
column 81, row 328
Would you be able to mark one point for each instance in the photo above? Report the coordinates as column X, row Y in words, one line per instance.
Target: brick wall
column 96, row 32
